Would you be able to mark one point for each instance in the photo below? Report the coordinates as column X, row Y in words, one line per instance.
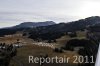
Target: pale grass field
column 24, row 52
column 34, row 50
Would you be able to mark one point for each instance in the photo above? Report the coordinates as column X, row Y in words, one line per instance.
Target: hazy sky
column 13, row 12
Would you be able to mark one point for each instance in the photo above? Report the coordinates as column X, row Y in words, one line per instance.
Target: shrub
column 59, row 50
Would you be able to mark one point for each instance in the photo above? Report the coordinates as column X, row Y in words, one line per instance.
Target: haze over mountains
column 87, row 21
column 34, row 24
column 50, row 26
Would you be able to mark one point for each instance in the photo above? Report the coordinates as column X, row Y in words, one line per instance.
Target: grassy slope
column 34, row 50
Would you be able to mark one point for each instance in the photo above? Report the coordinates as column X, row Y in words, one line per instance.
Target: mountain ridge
column 34, row 24
column 55, row 28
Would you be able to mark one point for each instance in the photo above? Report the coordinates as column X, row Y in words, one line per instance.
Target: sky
column 14, row 12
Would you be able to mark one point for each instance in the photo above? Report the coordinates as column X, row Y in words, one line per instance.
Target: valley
column 77, row 38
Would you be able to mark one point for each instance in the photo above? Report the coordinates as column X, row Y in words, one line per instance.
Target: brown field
column 29, row 49
column 26, row 51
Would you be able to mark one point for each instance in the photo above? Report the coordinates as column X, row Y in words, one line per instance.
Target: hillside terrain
column 77, row 38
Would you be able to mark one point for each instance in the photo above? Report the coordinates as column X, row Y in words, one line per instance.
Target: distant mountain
column 71, row 26
column 34, row 24
column 51, row 27
column 56, row 31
